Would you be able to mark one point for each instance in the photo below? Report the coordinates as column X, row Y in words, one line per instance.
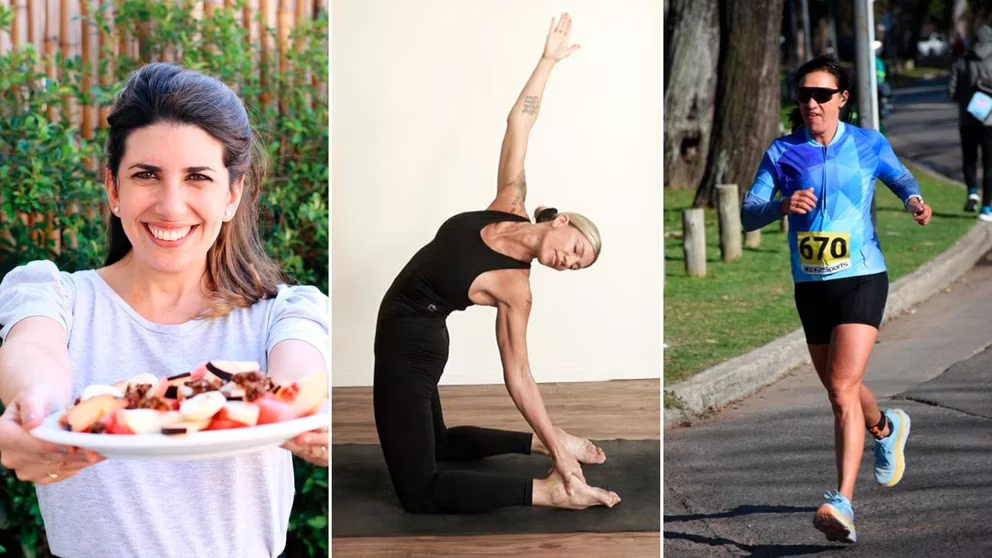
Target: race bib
column 823, row 253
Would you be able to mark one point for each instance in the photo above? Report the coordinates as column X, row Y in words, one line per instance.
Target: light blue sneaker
column 985, row 214
column 836, row 518
column 890, row 455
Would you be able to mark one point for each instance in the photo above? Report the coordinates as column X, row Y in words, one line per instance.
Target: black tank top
column 436, row 281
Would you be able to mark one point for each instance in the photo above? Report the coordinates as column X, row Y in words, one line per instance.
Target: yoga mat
column 966, row 386
column 363, row 503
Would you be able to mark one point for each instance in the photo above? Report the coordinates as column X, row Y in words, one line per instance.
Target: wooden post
column 286, row 22
column 729, row 211
column 752, row 239
column 694, row 242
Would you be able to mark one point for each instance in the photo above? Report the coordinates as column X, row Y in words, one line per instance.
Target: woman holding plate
column 185, row 281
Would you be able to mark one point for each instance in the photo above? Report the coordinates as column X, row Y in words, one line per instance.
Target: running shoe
column 986, row 214
column 835, row 518
column 972, row 202
column 890, row 455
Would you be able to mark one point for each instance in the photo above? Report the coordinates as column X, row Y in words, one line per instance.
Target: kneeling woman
column 481, row 258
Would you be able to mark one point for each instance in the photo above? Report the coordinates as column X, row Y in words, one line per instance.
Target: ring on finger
column 55, row 474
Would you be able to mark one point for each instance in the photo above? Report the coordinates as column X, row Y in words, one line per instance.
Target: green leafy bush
column 50, row 179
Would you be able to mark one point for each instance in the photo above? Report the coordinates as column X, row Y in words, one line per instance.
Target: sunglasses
column 819, row 94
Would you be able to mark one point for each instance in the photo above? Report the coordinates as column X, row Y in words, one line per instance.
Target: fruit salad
column 217, row 395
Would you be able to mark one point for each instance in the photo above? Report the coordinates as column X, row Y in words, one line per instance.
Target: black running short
column 823, row 305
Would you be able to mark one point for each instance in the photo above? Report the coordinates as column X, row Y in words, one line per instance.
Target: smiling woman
column 186, row 281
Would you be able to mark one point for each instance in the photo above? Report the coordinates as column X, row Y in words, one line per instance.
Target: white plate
column 208, row 444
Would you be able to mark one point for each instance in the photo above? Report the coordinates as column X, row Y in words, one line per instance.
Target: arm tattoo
column 520, row 189
column 531, row 104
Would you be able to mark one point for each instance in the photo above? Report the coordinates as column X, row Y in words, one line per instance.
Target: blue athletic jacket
column 836, row 239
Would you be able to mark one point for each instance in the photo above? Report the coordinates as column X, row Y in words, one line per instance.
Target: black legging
column 410, row 354
column 971, row 138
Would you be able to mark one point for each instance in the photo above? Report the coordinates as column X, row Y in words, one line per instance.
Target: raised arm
column 512, row 313
column 511, row 183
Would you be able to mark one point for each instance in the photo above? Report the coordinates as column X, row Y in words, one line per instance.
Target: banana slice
column 143, row 379
column 142, row 421
column 96, row 390
column 202, row 406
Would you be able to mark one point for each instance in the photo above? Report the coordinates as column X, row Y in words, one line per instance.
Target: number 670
column 838, row 246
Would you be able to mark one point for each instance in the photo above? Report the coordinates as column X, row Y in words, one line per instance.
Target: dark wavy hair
column 823, row 63
column 239, row 272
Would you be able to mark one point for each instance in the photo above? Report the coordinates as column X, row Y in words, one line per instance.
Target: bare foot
column 581, row 449
column 551, row 492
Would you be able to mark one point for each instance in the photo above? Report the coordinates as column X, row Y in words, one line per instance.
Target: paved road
column 924, row 127
column 747, row 481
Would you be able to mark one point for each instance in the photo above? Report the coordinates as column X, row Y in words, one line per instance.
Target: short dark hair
column 823, row 63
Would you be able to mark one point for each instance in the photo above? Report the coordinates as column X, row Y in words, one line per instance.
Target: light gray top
column 235, row 507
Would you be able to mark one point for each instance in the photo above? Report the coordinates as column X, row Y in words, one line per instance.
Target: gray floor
column 364, row 504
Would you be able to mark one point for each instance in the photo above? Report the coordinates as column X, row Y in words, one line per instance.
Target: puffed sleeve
column 37, row 288
column 302, row 313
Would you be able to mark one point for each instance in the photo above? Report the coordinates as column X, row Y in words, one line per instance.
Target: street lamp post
column 867, row 87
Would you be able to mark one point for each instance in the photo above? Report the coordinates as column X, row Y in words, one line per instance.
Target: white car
column 934, row 45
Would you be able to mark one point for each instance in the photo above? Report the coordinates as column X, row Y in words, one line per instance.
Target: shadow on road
column 755, row 550
column 738, row 511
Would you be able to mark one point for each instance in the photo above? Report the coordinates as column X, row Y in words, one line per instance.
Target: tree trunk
column 919, row 15
column 747, row 104
column 820, row 27
column 691, row 55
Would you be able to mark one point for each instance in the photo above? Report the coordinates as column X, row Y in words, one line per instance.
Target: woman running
column 481, row 258
column 825, row 172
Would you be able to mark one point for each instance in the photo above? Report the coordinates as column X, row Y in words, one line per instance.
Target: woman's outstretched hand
column 570, row 470
column 556, row 47
column 31, row 459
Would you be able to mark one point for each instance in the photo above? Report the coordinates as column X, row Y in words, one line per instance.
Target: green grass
column 920, row 72
column 745, row 304
column 784, row 115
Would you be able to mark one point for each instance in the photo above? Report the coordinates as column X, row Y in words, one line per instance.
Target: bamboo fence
column 64, row 26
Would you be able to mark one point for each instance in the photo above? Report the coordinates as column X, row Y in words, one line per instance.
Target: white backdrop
column 420, row 94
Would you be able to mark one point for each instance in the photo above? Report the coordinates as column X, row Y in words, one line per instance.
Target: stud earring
column 117, row 209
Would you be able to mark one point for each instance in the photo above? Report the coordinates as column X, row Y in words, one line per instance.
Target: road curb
column 742, row 376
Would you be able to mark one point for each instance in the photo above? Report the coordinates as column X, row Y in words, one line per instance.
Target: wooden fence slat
column 91, row 64
column 71, row 37
column 36, row 22
column 108, row 45
column 304, row 12
column 268, row 9
column 211, row 6
column 6, row 37
column 286, row 22
column 254, row 26
column 22, row 23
